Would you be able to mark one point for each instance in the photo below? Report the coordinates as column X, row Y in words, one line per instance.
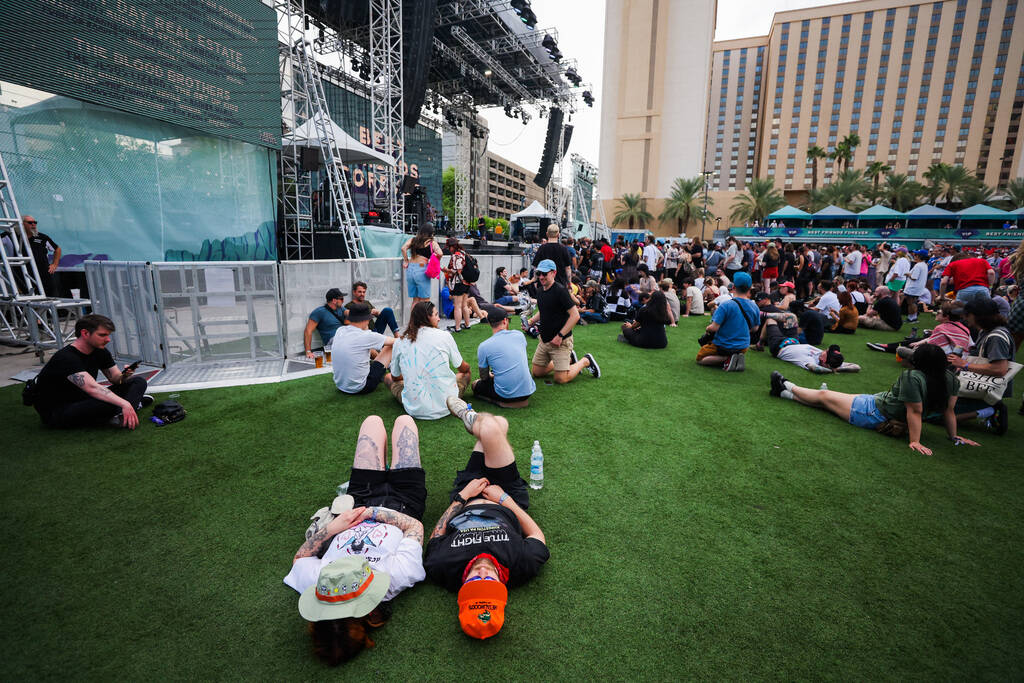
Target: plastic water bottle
column 342, row 489
column 536, row 467
column 824, row 386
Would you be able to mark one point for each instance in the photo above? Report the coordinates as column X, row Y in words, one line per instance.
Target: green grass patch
column 698, row 529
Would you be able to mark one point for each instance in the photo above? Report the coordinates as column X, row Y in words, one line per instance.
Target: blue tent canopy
column 983, row 212
column 880, row 212
column 929, row 211
column 832, row 211
column 788, row 212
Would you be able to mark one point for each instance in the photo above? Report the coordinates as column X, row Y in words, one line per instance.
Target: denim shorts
column 864, row 412
column 417, row 283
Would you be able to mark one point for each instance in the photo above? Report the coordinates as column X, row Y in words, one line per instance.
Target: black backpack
column 167, row 412
column 30, row 393
column 471, row 270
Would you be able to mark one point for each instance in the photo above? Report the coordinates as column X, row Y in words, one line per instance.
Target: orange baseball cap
column 482, row 607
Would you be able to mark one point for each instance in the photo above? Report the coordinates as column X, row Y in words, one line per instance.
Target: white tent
column 534, row 210
column 348, row 148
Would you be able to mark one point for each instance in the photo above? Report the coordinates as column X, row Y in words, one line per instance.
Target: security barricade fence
column 174, row 313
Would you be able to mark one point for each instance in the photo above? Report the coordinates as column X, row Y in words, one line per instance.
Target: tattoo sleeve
column 411, row 527
column 445, row 518
column 315, row 545
column 408, row 449
column 368, row 455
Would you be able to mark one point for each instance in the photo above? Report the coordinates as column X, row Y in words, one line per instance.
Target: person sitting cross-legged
column 350, row 569
column 485, row 542
column 385, row 317
column 361, row 356
column 504, row 369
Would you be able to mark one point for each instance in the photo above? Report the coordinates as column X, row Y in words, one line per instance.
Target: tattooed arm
column 317, row 544
column 452, row 510
column 84, row 381
column 410, row 526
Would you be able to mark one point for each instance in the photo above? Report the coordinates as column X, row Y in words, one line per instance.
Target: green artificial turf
column 697, row 527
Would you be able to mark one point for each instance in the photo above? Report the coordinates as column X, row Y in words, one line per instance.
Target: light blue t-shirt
column 327, row 322
column 734, row 329
column 505, row 354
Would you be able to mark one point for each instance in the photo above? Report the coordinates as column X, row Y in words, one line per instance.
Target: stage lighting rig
column 573, row 76
column 588, row 98
column 548, row 42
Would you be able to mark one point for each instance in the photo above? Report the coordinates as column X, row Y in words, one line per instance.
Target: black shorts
column 506, row 477
column 460, row 289
column 403, row 490
column 484, row 388
column 774, row 338
column 374, row 377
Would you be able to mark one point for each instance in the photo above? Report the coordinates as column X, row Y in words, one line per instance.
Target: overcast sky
column 580, row 25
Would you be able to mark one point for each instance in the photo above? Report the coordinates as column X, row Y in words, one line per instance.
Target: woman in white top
column 421, row 366
column 917, row 283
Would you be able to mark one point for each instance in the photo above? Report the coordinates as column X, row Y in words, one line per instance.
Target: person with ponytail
column 928, row 388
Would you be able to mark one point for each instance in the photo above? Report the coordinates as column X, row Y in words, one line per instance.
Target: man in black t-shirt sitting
column 558, row 314
column 884, row 312
column 68, row 394
column 485, row 542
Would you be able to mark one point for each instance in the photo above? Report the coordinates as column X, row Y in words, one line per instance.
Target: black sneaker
column 146, row 401
column 594, row 368
column 998, row 423
column 778, row 384
column 573, row 359
column 878, row 347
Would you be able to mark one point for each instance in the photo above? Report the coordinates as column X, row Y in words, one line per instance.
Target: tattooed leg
column 405, row 443
column 370, row 447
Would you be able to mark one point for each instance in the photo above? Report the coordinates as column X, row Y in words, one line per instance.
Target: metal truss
column 554, row 194
column 463, row 141
column 386, row 100
column 296, row 191
column 19, row 279
column 463, row 10
column 456, row 86
column 460, row 34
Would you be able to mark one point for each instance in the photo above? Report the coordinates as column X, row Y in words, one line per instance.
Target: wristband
column 373, row 514
column 459, row 499
column 503, row 498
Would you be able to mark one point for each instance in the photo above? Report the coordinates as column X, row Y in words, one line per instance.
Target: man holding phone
column 67, row 394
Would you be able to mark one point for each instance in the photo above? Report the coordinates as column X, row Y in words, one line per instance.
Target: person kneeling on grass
column 556, row 316
column 349, row 570
column 788, row 348
column 929, row 387
column 504, row 369
column 730, row 329
column 485, row 542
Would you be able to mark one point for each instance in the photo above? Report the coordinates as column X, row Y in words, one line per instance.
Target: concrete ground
column 15, row 359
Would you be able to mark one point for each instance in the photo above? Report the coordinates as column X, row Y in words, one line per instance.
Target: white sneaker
column 461, row 410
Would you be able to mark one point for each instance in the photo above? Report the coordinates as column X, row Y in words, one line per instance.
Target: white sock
column 986, row 413
column 788, row 394
column 789, row 386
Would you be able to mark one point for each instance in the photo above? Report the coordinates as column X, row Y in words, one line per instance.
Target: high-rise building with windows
column 918, row 82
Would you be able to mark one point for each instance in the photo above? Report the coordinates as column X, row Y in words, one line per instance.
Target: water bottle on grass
column 536, row 467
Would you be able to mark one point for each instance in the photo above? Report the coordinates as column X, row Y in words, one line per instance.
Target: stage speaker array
column 566, row 137
column 310, row 159
column 418, row 48
column 547, row 160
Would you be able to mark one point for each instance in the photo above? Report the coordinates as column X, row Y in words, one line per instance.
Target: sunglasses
column 481, row 578
column 30, row 222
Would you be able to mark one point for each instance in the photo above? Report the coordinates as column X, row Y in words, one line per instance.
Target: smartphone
column 134, row 365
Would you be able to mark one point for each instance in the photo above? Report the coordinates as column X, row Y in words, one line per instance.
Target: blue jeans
column 593, row 317
column 507, row 301
column 968, row 294
column 386, row 320
column 864, row 412
column 417, row 284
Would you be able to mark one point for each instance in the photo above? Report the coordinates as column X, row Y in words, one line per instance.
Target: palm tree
column 845, row 192
column 875, row 171
column 840, row 152
column 976, row 193
column 947, row 181
column 850, row 143
column 760, row 199
column 814, row 152
column 633, row 207
column 901, row 193
column 685, row 202
column 1015, row 193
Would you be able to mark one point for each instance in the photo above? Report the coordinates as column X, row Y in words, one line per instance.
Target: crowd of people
column 777, row 298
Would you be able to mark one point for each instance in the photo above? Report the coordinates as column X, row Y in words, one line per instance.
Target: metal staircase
column 20, row 279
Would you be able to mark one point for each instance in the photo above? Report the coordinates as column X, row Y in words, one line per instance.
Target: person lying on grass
column 783, row 344
column 485, row 541
column 350, row 569
column 930, row 387
column 951, row 334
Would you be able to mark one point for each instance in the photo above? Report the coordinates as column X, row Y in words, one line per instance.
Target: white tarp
column 349, row 149
column 534, row 210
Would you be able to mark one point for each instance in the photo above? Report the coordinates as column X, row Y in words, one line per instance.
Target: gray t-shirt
column 995, row 345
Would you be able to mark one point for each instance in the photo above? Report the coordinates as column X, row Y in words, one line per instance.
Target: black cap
column 981, row 306
column 760, row 296
column 335, row 293
column 496, row 315
column 833, row 358
column 358, row 312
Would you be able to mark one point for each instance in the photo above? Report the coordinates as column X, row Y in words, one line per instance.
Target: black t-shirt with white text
column 554, row 304
column 54, row 387
column 483, row 529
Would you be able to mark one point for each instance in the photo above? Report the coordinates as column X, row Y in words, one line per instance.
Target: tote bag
column 982, row 387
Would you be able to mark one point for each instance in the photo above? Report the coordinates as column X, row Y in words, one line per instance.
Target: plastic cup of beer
column 327, row 355
column 318, row 360
column 76, row 294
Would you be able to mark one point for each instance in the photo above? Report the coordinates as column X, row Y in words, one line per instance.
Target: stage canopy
column 788, row 212
column 926, row 211
column 349, row 149
column 534, row 210
column 833, row 211
column 983, row 212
